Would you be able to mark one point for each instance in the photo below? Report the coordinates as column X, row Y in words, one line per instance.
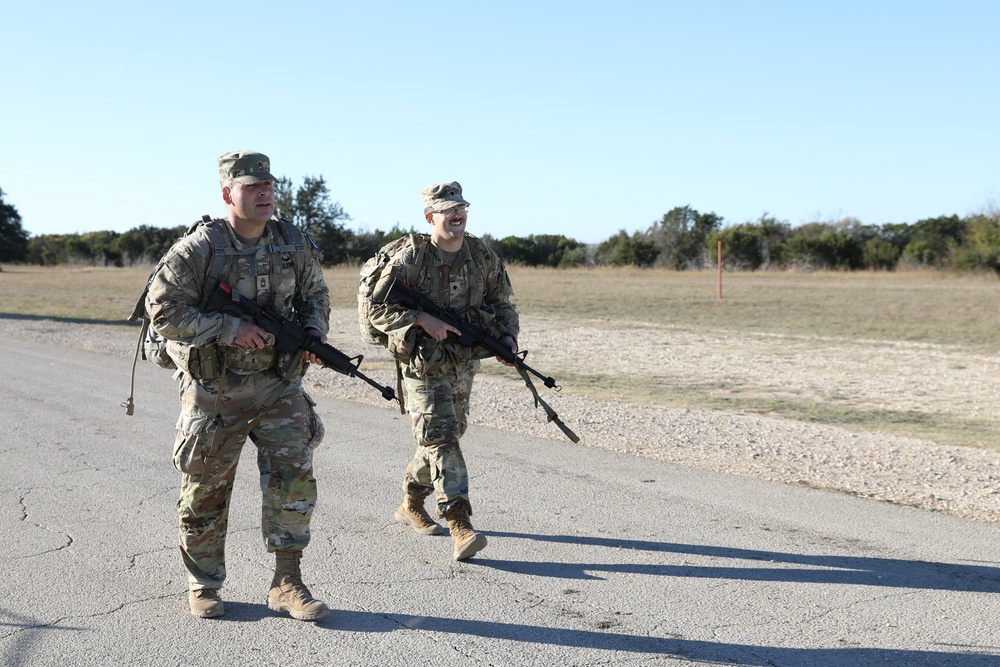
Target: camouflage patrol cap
column 442, row 196
column 244, row 167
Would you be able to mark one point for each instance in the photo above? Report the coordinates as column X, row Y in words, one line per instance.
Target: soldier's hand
column 435, row 328
column 309, row 356
column 252, row 336
column 508, row 340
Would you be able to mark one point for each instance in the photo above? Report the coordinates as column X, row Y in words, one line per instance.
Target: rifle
column 288, row 336
column 470, row 336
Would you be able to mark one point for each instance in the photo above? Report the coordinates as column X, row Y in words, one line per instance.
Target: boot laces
column 206, row 594
column 294, row 587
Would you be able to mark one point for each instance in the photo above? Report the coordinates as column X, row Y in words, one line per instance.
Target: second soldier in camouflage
column 457, row 271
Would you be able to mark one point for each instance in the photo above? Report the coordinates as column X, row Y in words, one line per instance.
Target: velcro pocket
column 316, row 429
column 192, row 443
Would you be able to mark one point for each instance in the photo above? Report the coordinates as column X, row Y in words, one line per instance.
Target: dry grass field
column 919, row 307
column 908, row 353
column 909, row 306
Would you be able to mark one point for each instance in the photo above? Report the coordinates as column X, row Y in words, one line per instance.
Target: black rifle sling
column 553, row 417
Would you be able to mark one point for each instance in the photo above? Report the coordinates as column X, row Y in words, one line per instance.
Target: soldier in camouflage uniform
column 458, row 271
column 234, row 384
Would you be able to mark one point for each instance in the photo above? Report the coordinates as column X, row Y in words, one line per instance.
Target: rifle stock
column 290, row 337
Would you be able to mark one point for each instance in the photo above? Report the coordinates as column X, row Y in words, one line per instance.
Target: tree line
column 687, row 239
column 682, row 239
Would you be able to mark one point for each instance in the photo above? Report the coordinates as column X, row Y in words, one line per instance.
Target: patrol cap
column 442, row 196
column 244, row 167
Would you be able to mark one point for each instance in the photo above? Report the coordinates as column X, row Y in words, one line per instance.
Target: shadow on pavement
column 816, row 569
column 709, row 652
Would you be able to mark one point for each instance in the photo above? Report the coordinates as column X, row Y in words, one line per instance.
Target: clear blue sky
column 576, row 118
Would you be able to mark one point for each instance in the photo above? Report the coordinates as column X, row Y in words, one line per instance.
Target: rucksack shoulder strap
column 477, row 249
column 422, row 243
column 222, row 253
column 294, row 239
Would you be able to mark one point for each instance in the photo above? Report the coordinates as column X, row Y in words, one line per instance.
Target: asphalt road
column 594, row 558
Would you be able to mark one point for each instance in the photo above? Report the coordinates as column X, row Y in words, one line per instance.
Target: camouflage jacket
column 290, row 281
column 476, row 286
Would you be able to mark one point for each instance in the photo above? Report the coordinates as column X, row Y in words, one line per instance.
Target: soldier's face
column 449, row 224
column 253, row 202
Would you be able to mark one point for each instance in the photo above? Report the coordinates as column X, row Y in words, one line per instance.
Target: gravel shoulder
column 963, row 481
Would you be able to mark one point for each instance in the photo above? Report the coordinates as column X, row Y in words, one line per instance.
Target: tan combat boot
column 288, row 593
column 467, row 541
column 412, row 513
column 206, row 603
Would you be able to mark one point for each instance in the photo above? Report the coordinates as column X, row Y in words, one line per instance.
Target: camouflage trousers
column 279, row 419
column 439, row 414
